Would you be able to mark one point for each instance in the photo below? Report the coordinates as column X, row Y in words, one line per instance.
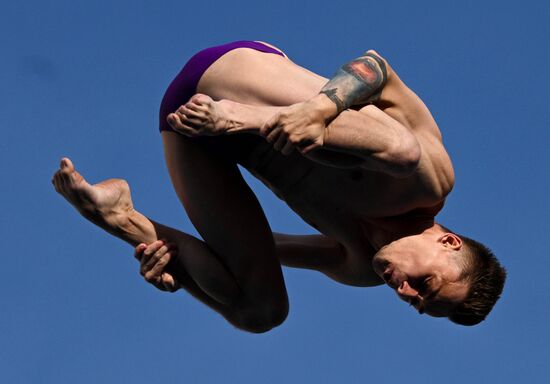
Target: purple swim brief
column 185, row 83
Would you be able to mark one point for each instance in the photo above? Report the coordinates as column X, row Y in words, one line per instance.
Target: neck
column 385, row 231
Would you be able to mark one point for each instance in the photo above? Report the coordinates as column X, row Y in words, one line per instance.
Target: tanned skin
column 359, row 157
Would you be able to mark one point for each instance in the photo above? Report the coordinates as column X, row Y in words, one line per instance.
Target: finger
column 274, row 135
column 148, row 253
column 281, row 141
column 169, row 282
column 147, row 266
column 154, row 281
column 309, row 148
column 268, row 126
column 288, row 148
column 138, row 252
column 157, row 269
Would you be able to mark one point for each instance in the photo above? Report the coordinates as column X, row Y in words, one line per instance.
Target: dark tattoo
column 358, row 82
column 331, row 94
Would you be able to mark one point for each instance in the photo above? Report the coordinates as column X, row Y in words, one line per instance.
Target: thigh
column 228, row 216
column 276, row 81
column 252, row 77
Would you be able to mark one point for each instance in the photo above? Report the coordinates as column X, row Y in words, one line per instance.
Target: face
column 423, row 272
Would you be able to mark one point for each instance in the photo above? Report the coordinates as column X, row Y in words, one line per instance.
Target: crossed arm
column 368, row 138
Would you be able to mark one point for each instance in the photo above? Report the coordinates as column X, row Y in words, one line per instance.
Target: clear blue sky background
column 85, row 79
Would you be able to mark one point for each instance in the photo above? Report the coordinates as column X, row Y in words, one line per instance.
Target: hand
column 301, row 125
column 153, row 259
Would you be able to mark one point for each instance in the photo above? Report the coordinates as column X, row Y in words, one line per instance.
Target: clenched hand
column 301, row 126
column 153, row 259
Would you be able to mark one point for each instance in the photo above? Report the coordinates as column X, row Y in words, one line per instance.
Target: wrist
column 324, row 106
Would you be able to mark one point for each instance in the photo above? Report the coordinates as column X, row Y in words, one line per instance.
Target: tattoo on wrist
column 331, row 94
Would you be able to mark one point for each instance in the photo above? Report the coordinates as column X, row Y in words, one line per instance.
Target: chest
column 331, row 196
column 332, row 200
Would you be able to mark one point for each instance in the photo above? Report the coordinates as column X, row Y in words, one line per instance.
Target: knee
column 262, row 318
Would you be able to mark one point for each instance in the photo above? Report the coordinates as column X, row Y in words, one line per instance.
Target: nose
column 405, row 290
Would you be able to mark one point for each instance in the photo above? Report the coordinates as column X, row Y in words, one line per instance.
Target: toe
column 191, row 107
column 177, row 124
column 190, row 112
column 200, row 99
column 58, row 182
column 188, row 117
column 66, row 164
column 199, row 108
column 193, row 122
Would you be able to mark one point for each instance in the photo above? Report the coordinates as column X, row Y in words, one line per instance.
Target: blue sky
column 85, row 79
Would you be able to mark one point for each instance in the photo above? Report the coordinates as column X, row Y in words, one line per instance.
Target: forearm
column 326, row 255
column 317, row 252
column 356, row 82
column 387, row 147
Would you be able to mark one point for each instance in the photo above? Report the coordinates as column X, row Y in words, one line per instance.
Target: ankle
column 133, row 227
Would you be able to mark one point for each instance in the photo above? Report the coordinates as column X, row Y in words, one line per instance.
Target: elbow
column 404, row 157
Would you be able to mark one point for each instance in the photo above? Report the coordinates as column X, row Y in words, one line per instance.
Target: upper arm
column 317, row 252
column 326, row 255
column 402, row 153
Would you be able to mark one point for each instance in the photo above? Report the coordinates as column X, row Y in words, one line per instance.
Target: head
column 442, row 274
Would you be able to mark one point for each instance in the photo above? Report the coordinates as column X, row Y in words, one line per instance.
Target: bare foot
column 104, row 203
column 202, row 116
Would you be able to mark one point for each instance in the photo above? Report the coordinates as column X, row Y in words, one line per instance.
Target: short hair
column 486, row 277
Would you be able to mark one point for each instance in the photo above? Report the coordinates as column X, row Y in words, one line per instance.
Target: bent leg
column 108, row 204
column 220, row 204
column 236, row 233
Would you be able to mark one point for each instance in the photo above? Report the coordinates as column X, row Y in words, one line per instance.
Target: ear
column 451, row 240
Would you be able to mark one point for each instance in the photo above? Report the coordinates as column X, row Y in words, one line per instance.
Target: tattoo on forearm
column 357, row 82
